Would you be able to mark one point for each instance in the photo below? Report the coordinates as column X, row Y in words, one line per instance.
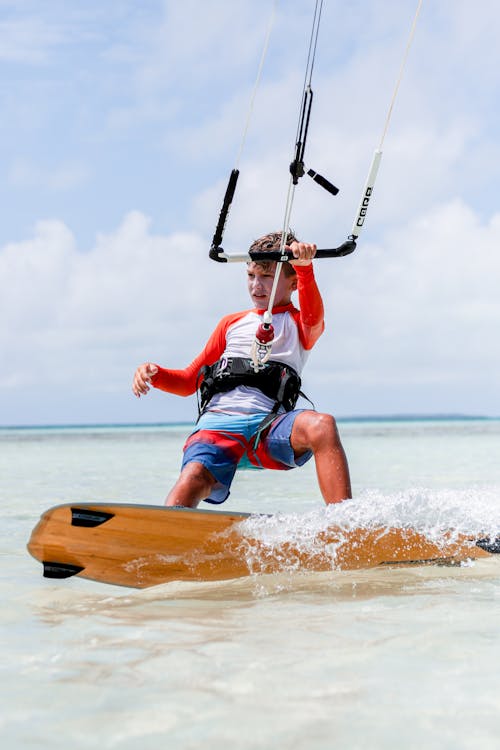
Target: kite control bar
column 218, row 254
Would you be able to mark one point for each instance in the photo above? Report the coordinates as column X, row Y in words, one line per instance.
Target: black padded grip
column 226, row 205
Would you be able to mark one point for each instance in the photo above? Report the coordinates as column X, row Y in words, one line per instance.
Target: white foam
column 434, row 513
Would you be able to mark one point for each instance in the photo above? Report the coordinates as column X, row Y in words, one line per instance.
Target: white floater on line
column 366, row 195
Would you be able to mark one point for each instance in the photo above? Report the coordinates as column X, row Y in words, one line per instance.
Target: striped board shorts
column 223, row 443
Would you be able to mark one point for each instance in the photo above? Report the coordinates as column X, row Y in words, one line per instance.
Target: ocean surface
column 385, row 658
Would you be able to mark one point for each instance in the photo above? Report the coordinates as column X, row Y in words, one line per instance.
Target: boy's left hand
column 303, row 253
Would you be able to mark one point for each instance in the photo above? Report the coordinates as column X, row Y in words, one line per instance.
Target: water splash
column 441, row 516
column 429, row 511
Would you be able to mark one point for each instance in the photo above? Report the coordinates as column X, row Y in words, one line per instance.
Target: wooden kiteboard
column 145, row 545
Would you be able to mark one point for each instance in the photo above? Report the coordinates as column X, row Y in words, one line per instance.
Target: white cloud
column 77, row 315
column 421, row 307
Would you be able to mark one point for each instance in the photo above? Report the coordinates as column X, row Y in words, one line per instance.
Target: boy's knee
column 324, row 429
column 317, row 430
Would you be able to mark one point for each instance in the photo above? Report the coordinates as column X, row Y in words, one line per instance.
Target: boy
column 249, row 417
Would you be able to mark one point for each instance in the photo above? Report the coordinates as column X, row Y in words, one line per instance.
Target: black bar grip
column 323, row 182
column 226, row 205
column 334, row 252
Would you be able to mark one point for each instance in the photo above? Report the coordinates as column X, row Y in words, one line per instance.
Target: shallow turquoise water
column 381, row 659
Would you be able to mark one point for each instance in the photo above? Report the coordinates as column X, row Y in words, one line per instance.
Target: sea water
column 385, row 658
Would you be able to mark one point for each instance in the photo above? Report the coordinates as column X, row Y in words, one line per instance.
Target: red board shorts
column 222, row 442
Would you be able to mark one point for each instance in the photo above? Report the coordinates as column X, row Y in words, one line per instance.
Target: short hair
column 268, row 243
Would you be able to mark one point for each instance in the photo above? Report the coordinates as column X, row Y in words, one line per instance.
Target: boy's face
column 260, row 283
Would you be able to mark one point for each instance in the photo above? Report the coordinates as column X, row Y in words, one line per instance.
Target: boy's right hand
column 303, row 253
column 142, row 378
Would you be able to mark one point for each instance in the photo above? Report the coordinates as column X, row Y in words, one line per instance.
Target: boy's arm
column 310, row 320
column 184, row 382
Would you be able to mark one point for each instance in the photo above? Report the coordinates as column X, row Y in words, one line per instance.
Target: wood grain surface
column 142, row 545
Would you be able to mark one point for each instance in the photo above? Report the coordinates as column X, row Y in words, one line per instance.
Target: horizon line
column 409, row 417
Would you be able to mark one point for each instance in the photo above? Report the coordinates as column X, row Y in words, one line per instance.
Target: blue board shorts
column 223, row 442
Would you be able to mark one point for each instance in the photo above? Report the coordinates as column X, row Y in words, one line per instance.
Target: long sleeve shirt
column 295, row 333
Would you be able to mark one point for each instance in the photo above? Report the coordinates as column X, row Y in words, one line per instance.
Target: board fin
column 60, row 570
column 89, row 518
column 490, row 545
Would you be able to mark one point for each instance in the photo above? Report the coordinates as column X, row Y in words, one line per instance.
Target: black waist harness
column 275, row 379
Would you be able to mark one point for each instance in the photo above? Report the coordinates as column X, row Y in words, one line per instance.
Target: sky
column 120, row 123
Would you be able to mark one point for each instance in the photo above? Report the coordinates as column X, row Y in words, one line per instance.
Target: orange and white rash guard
column 295, row 333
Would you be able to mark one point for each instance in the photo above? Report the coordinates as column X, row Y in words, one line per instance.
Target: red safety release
column 265, row 333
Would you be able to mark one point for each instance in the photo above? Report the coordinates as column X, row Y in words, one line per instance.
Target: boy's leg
column 318, row 433
column 194, row 484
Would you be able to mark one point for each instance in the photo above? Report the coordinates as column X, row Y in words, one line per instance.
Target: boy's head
column 260, row 274
column 269, row 242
